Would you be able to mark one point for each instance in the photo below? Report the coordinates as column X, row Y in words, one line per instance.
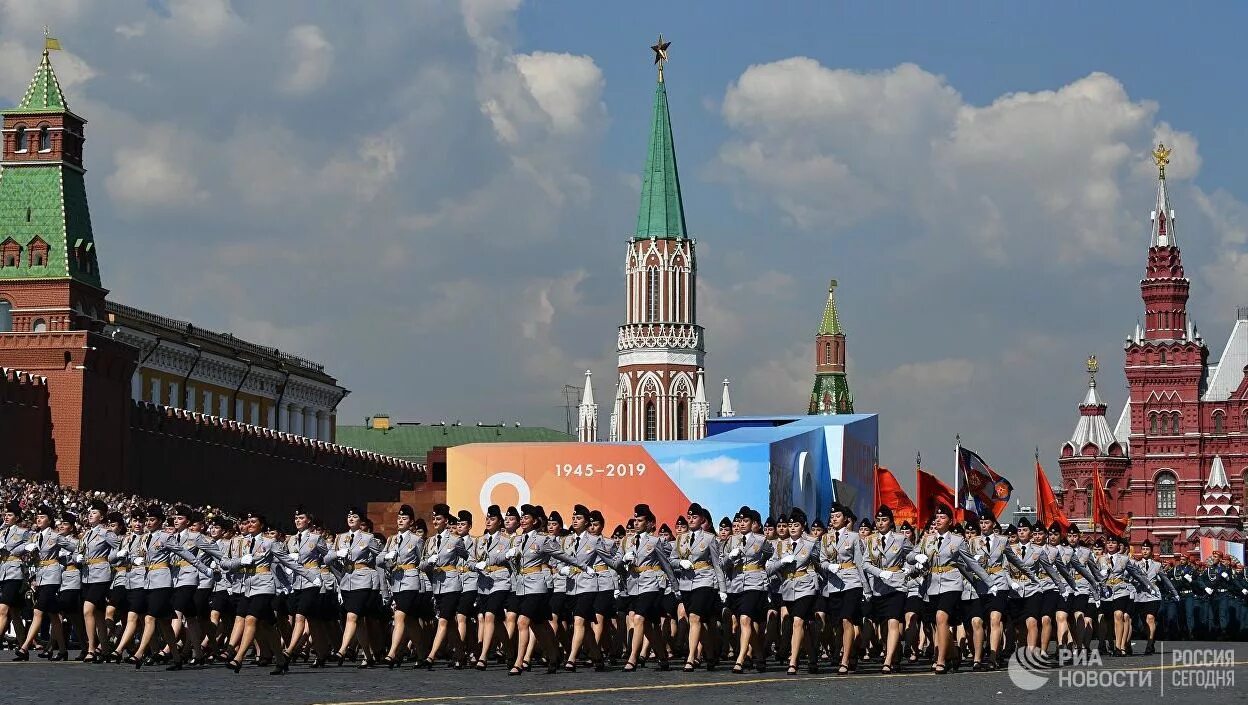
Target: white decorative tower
column 660, row 346
column 587, row 424
column 725, row 402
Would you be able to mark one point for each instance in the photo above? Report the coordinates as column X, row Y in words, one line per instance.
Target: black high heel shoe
column 234, row 666
column 515, row 671
column 280, row 666
column 426, row 664
column 388, row 662
column 335, row 656
column 21, row 655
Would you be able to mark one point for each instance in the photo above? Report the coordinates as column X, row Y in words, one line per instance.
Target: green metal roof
column 662, row 213
column 831, row 323
column 43, row 95
column 48, row 201
column 414, row 442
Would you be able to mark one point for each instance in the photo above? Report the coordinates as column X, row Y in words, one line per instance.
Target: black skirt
column 160, row 603
column 703, row 601
column 948, row 602
column 890, row 606
column 356, row 602
column 494, row 603
column 802, row 608
column 846, row 605
column 95, row 593
column 535, row 606
column 11, row 592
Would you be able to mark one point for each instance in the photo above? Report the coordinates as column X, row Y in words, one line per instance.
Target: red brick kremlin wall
column 25, row 428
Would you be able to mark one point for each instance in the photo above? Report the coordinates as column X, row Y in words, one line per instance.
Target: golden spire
column 660, row 54
column 50, row 43
column 1093, row 367
column 1161, row 157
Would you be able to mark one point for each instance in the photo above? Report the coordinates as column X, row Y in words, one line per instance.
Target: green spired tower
column 831, row 393
column 49, row 276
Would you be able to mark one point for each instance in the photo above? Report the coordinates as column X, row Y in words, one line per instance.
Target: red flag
column 932, row 491
column 888, row 493
column 1110, row 524
column 1047, row 508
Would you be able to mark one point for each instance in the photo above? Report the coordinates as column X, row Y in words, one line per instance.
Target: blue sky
column 432, row 197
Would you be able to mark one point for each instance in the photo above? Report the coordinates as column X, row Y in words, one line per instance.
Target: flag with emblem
column 990, row 491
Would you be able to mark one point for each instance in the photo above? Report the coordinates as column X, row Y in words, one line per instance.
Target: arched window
column 682, row 419
column 827, row 353
column 652, row 294
column 1152, row 424
column 652, row 422
column 39, row 326
column 1163, row 357
column 45, row 139
column 1219, row 423
column 20, row 139
column 1166, row 491
column 1174, row 420
column 6, row 316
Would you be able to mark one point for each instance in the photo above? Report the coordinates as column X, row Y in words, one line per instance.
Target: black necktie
column 577, row 545
column 251, row 546
column 940, row 540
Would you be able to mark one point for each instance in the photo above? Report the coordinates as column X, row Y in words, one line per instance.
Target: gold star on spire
column 1161, row 157
column 660, row 54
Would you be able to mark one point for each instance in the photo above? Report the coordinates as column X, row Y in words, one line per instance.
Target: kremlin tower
column 661, row 395
column 831, row 393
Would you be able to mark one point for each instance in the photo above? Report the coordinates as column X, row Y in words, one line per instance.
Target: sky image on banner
column 771, row 467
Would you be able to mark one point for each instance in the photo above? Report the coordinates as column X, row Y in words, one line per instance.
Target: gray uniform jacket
column 136, row 571
column 468, row 576
column 1154, row 574
column 747, row 569
column 357, row 553
column 259, row 577
column 49, row 545
column 12, row 548
column 800, row 575
column 163, row 551
column 1003, row 565
column 1121, row 575
column 646, row 561
column 531, row 563
column 841, row 561
column 97, row 544
column 886, row 559
column 1086, row 582
column 199, row 546
column 584, row 548
column 307, row 548
column 701, row 550
column 443, row 553
column 403, row 568
column 492, row 550
column 1036, row 567
column 947, row 558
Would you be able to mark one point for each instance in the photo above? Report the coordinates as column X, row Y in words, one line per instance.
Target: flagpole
column 957, row 472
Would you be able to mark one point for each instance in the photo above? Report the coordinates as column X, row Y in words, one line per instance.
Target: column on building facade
column 270, row 420
column 309, row 423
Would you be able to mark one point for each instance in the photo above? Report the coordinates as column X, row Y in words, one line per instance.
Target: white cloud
column 153, row 173
column 131, row 31
column 567, row 88
column 939, row 376
column 19, row 60
column 310, row 56
column 721, row 468
column 204, row 21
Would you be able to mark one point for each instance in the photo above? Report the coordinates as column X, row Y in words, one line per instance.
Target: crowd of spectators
column 30, row 494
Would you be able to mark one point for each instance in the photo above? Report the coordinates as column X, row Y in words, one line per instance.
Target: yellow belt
column 312, row 564
column 532, row 569
column 848, row 564
column 71, row 566
column 157, row 565
column 1113, row 581
column 363, row 565
column 1079, row 576
column 701, row 565
column 122, row 569
column 798, row 573
column 993, row 569
column 406, row 566
column 751, row 568
column 96, row 561
column 48, row 562
column 646, row 569
column 943, row 568
column 603, row 569
column 11, row 558
column 575, row 571
column 325, row 569
column 256, row 569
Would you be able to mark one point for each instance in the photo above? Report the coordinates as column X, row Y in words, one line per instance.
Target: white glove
column 1245, row 591
column 688, row 565
column 390, row 555
column 246, row 559
column 1208, row 591
column 123, row 553
column 734, row 552
column 617, row 594
column 77, row 558
column 138, row 560
column 1104, row 573
column 511, row 552
column 789, row 558
column 1015, row 586
column 32, row 546
column 628, row 557
column 887, row 574
column 316, row 582
column 993, row 590
column 1225, row 576
column 1188, row 577
column 480, row 565
column 565, row 571
column 723, row 596
column 921, row 559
